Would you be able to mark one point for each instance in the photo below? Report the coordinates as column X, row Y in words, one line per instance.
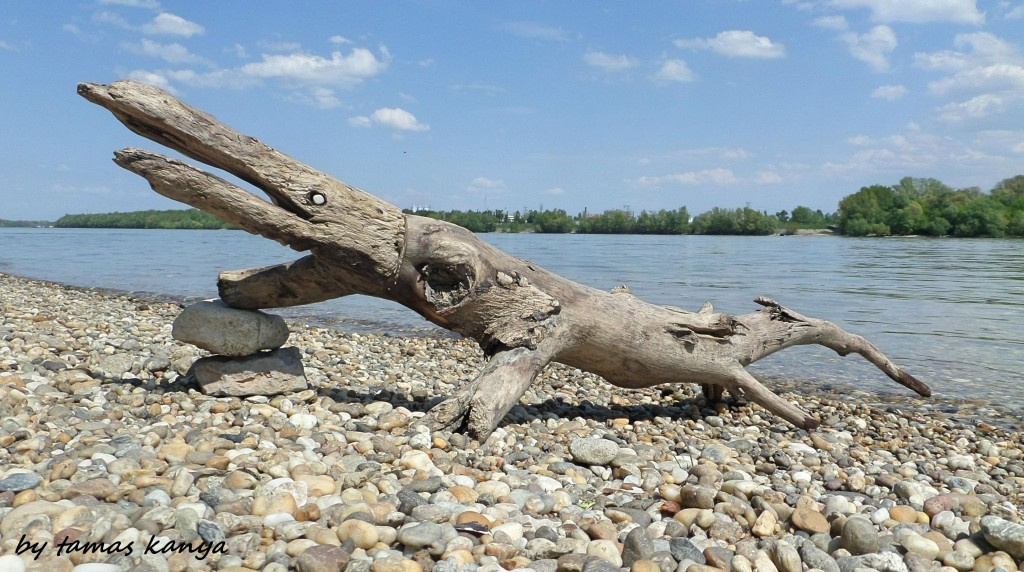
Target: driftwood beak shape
column 522, row 316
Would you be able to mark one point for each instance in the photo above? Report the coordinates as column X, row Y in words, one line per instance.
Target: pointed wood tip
column 92, row 91
column 912, row 382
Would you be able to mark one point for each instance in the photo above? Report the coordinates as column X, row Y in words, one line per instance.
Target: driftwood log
column 523, row 316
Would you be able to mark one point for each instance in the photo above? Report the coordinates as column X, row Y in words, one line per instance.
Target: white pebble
column 11, row 563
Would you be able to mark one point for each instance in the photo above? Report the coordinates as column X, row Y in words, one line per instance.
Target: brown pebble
column 903, row 513
column 472, row 516
column 603, row 530
column 219, row 462
column 63, row 469
column 809, row 520
column 308, row 512
column 24, row 497
column 464, row 494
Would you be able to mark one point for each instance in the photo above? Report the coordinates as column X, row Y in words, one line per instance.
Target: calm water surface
column 950, row 311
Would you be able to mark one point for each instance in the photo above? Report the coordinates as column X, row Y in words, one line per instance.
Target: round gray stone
column 590, row 451
column 216, row 327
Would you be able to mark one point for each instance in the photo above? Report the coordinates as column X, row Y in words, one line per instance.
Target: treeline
column 171, row 219
column 929, row 207
column 25, row 223
column 620, row 221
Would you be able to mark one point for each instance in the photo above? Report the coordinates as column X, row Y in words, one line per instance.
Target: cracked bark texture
column 523, row 316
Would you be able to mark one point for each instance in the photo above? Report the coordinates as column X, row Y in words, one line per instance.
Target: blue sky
column 467, row 105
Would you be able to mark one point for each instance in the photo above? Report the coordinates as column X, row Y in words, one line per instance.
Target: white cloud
column 393, row 117
column 167, row 24
column 111, row 18
column 609, row 62
column 674, row 70
column 485, row 184
column 61, row 189
column 339, row 40
column 873, row 47
column 987, row 68
column 555, row 191
column 859, row 140
column 152, row 78
column 536, row 31
column 737, row 44
column 150, row 4
column 831, row 23
column 718, row 176
column 890, row 92
column 918, row 11
column 7, row 46
column 172, row 53
column 768, row 178
column 996, row 77
column 337, row 70
column 279, row 46
column 977, row 49
column 978, row 107
column 915, row 150
column 360, row 121
column 1015, row 13
column 320, row 97
column 484, row 88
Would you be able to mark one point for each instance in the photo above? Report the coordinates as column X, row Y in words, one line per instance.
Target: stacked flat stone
column 248, row 345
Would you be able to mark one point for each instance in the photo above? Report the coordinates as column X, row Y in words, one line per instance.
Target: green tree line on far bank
column 914, row 206
column 171, row 219
column 929, row 207
column 24, row 223
column 619, row 221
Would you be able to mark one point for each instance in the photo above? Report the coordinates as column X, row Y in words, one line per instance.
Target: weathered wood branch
column 521, row 315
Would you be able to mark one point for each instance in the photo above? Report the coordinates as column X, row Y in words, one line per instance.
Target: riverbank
column 104, row 442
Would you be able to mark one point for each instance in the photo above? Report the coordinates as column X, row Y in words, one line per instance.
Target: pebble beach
column 111, row 459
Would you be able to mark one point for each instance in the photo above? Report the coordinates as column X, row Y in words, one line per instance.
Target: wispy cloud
column 485, row 184
column 918, row 11
column 737, row 44
column 889, row 92
column 831, row 23
column 153, row 78
column 916, row 150
column 173, row 53
column 150, row 4
column 718, row 177
column 872, row 47
column 536, row 31
column 977, row 107
column 609, row 62
column 167, row 24
column 164, row 24
column 7, row 46
column 319, row 97
column 484, row 88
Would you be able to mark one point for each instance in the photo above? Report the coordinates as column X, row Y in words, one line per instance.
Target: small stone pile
column 248, row 345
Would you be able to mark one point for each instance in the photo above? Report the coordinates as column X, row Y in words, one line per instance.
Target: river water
column 950, row 311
